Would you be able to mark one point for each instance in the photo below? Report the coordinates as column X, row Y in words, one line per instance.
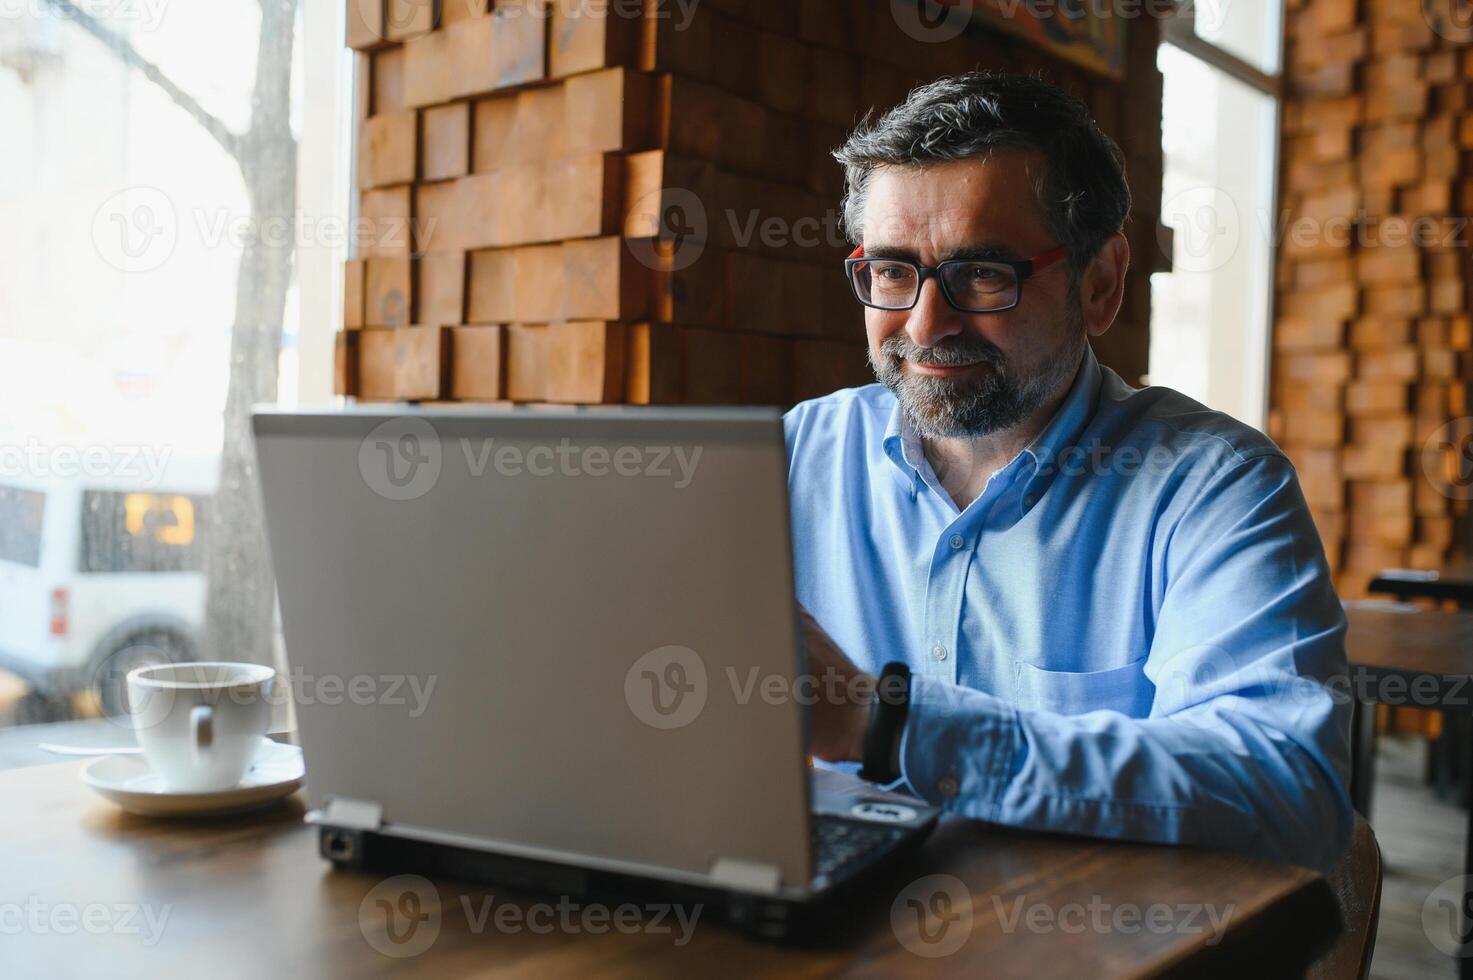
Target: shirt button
column 939, row 652
column 956, row 542
column 948, row 786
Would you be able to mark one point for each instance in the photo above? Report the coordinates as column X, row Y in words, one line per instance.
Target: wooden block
column 455, row 11
column 505, row 49
column 587, row 35
column 608, row 111
column 440, row 289
column 733, row 63
column 603, row 281
column 479, row 366
column 540, row 127
column 526, row 362
column 833, row 87
column 1327, row 368
column 460, row 215
column 1293, row 333
column 492, row 286
column 782, row 73
column 387, row 147
column 1326, row 429
column 446, row 144
column 1386, row 264
column 711, row 361
column 687, row 49
column 387, row 71
column 387, row 291
column 1370, row 398
column 766, row 375
column 353, row 287
column 423, row 356
column 1393, row 364
column 537, row 283
column 1391, row 430
column 378, row 365
column 585, row 362
column 703, row 122
column 581, row 198
column 668, row 197
column 345, row 362
column 365, row 30
column 384, row 228
column 823, row 366
column 653, row 366
column 406, row 19
column 495, row 144
column 429, row 69
column 1373, row 462
column 1369, row 333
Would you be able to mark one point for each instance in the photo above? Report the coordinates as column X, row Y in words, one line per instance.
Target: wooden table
column 1453, row 582
column 249, row 896
column 1407, row 656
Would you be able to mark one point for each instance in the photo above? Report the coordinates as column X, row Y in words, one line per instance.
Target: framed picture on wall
column 1069, row 29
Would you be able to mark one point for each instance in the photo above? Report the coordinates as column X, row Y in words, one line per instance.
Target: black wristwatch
column 887, row 715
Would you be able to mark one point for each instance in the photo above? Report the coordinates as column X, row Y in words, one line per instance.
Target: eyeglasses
column 968, row 285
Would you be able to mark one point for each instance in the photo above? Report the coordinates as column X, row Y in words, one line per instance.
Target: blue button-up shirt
column 1131, row 632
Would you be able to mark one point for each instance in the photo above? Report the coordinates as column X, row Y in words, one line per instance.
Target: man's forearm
column 1212, row 776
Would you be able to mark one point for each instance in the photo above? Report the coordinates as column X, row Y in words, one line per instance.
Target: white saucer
column 128, row 781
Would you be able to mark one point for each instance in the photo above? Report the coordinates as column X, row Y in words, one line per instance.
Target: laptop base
column 773, row 919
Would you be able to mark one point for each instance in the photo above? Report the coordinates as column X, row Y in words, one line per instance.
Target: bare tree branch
column 129, row 55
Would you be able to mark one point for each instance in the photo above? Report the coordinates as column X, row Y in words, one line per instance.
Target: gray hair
column 1082, row 193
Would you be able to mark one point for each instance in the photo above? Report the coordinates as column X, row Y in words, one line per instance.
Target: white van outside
column 98, row 576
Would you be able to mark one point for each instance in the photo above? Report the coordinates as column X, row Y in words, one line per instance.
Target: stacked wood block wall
column 1371, row 339
column 586, row 201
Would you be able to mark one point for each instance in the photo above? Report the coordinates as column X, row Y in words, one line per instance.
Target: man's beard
column 956, row 408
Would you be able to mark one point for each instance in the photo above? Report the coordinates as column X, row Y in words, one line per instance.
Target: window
column 1220, row 123
column 174, row 217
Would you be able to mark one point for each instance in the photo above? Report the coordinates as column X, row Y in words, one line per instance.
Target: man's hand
column 843, row 693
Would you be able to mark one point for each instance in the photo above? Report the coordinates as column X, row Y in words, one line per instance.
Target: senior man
column 1097, row 609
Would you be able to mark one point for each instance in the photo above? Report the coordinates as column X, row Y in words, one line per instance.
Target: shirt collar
column 903, row 446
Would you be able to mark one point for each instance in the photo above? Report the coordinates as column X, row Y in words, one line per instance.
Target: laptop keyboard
column 839, row 844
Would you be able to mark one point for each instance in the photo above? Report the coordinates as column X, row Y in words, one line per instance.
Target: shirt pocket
column 1124, row 689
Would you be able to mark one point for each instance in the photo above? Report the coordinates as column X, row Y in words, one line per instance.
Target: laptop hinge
column 353, row 814
column 746, row 876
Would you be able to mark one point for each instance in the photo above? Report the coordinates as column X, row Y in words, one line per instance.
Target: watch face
column 877, row 811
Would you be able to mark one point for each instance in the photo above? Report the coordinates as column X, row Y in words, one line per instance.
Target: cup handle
column 202, row 727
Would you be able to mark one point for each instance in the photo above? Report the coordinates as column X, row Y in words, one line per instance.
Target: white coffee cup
column 200, row 724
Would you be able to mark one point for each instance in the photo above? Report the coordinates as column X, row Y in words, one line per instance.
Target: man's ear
column 1102, row 285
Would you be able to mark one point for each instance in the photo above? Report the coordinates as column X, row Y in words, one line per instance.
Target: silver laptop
column 573, row 640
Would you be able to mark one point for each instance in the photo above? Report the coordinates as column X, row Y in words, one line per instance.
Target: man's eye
column 982, row 273
column 894, row 273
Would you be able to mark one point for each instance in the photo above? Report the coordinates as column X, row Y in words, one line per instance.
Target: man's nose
column 932, row 319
